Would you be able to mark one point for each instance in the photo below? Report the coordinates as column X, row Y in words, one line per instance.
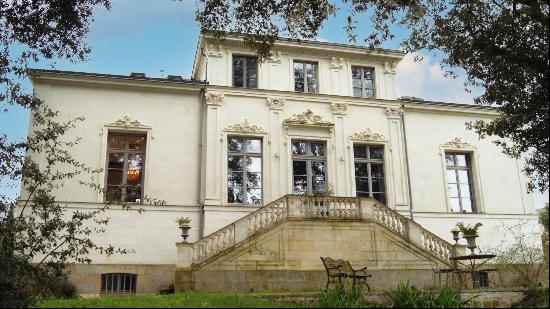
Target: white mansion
column 277, row 163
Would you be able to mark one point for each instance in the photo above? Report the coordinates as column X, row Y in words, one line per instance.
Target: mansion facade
column 315, row 119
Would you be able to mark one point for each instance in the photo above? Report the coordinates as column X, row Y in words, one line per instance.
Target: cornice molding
column 307, row 118
column 339, row 108
column 214, row 98
column 457, row 143
column 245, row 127
column 367, row 135
column 127, row 122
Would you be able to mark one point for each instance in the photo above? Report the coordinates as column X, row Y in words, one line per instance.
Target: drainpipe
column 201, row 147
column 407, row 162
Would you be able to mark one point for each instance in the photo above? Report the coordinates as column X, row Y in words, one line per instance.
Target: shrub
column 342, row 297
column 409, row 296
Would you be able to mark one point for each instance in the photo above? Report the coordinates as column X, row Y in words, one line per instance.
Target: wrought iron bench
column 341, row 269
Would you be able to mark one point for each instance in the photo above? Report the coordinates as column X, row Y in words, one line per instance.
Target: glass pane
column 117, row 142
column 299, row 72
column 368, row 85
column 238, row 71
column 136, row 142
column 234, row 163
column 253, row 180
column 378, row 185
column 453, row 190
column 362, row 184
column 312, row 88
column 318, row 185
column 234, row 194
column 298, row 148
column 465, row 191
column 253, row 196
column 318, row 150
column 369, row 93
column 238, row 81
column 133, row 194
column 359, row 151
column 300, row 184
column 116, row 160
column 299, row 87
column 461, row 160
column 253, row 164
column 113, row 193
column 356, row 92
column 361, row 170
column 362, row 194
column 299, row 168
column 376, row 153
column 467, row 205
column 367, row 73
column 377, row 170
column 253, row 146
column 463, row 176
column 135, row 164
column 357, row 83
column 455, row 204
column 355, row 72
column 381, row 197
column 251, row 83
column 450, row 160
column 114, row 177
column 235, row 179
column 451, row 176
column 235, row 144
column 318, row 168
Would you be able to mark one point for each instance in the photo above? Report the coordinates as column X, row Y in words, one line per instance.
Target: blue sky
column 160, row 37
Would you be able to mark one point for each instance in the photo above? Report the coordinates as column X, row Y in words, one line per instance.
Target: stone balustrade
column 311, row 207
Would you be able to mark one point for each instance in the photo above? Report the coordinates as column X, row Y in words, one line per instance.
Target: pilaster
column 400, row 199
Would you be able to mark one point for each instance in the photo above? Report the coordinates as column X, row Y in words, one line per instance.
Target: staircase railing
column 318, row 208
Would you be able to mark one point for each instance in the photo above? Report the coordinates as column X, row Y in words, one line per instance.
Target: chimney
column 137, row 75
column 174, row 78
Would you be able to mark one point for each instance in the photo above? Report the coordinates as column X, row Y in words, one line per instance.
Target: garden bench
column 341, row 269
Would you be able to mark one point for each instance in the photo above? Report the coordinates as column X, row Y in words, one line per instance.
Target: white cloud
column 427, row 80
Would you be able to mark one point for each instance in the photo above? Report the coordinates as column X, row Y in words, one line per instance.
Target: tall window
column 369, row 171
column 125, row 165
column 244, row 170
column 118, row 283
column 305, row 77
column 459, row 181
column 245, row 71
column 308, row 167
column 363, row 82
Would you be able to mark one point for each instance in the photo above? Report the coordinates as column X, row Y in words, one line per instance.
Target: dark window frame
column 244, row 76
column 118, row 283
column 369, row 162
column 456, row 168
column 304, row 80
column 363, row 83
column 309, row 157
column 126, row 151
column 246, row 155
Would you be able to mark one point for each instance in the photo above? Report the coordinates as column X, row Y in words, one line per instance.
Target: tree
column 501, row 45
column 37, row 228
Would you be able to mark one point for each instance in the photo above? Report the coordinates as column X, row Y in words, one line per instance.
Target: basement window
column 118, row 283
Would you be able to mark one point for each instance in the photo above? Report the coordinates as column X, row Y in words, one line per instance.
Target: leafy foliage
column 409, row 296
column 543, row 217
column 468, row 229
column 501, row 46
column 343, row 297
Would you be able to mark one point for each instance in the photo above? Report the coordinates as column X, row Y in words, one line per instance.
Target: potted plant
column 470, row 233
column 184, row 226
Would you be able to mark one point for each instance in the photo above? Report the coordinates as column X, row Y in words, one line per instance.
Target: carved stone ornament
column 368, row 135
column 394, row 112
column 276, row 103
column 307, row 118
column 214, row 98
column 214, row 50
column 245, row 127
column 339, row 108
column 336, row 63
column 127, row 122
column 390, row 67
column 458, row 143
column 275, row 57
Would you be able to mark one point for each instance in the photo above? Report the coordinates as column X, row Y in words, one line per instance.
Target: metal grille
column 118, row 283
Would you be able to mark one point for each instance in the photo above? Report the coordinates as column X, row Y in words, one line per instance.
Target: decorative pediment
column 339, row 108
column 245, row 127
column 276, row 103
column 307, row 118
column 214, row 98
column 367, row 135
column 394, row 112
column 458, row 143
column 127, row 122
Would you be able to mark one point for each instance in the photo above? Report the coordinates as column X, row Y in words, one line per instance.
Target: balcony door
column 309, row 167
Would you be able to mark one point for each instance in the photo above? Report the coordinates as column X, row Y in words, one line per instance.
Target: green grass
column 178, row 300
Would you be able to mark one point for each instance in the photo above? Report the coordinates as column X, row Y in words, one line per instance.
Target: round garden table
column 473, row 262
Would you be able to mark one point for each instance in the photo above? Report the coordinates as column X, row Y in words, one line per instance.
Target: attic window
column 245, row 71
column 363, row 82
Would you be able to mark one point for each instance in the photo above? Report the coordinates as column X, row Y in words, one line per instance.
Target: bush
column 409, row 296
column 534, row 298
column 342, row 297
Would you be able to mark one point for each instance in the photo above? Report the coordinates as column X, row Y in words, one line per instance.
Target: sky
column 159, row 38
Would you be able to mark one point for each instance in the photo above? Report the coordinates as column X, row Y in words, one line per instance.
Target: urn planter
column 471, row 242
column 185, row 231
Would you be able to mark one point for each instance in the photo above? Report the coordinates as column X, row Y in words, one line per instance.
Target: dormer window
column 363, row 82
column 245, row 71
column 305, row 77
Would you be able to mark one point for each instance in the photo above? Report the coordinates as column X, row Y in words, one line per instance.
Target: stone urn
column 185, row 231
column 471, row 242
column 456, row 235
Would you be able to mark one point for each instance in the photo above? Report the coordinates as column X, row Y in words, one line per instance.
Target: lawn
column 178, row 300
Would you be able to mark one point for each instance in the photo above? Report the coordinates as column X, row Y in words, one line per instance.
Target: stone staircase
column 348, row 213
